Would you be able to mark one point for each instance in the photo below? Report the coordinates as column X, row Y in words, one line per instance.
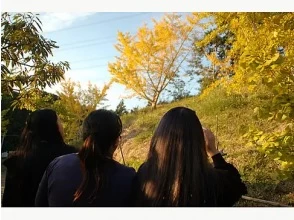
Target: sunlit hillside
column 229, row 117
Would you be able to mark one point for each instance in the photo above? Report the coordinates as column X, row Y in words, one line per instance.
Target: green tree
column 25, row 65
column 208, row 58
column 178, row 90
column 135, row 109
column 121, row 108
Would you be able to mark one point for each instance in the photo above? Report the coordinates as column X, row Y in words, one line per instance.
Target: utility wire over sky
column 101, row 22
column 87, row 43
column 81, row 44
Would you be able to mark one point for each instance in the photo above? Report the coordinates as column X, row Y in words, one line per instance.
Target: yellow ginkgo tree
column 75, row 103
column 263, row 53
column 150, row 59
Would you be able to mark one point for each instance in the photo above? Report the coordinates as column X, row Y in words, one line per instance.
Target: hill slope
column 233, row 115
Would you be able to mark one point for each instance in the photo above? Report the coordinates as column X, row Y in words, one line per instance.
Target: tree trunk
column 155, row 100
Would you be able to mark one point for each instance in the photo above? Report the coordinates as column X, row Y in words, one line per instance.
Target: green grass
column 135, row 163
column 233, row 114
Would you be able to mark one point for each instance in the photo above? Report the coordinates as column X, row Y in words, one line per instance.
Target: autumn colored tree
column 150, row 59
column 25, row 65
column 75, row 103
column 263, row 55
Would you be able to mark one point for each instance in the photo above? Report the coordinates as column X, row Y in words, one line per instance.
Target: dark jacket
column 224, row 185
column 64, row 175
column 23, row 175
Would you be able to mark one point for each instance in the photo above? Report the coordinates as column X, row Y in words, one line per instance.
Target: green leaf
column 284, row 117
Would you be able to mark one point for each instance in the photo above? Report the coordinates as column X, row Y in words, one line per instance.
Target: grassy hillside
column 234, row 114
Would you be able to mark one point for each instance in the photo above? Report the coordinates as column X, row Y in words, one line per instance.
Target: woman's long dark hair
column 177, row 163
column 41, row 129
column 101, row 130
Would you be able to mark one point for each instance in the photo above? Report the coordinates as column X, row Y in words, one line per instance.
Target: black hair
column 41, row 129
column 101, row 130
column 177, row 163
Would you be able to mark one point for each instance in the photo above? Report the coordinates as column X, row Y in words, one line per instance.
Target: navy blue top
column 224, row 185
column 24, row 174
column 64, row 175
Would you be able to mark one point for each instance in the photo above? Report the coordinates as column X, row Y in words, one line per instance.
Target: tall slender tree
column 150, row 59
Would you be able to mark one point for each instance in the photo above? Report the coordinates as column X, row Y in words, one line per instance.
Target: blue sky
column 86, row 41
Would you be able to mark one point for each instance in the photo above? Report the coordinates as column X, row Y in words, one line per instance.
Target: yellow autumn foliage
column 263, row 54
column 152, row 57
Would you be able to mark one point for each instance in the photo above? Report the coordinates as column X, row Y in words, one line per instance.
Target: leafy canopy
column 25, row 65
column 263, row 54
column 151, row 58
column 75, row 103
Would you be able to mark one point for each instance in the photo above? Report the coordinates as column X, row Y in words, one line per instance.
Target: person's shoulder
column 124, row 168
column 64, row 159
column 143, row 167
column 70, row 149
column 67, row 157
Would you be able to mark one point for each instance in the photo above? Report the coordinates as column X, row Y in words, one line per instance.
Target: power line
column 100, row 22
column 90, row 67
column 86, row 41
column 92, row 40
column 83, row 41
column 83, row 46
column 97, row 58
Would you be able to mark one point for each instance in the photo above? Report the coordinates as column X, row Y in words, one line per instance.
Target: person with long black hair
column 177, row 171
column 92, row 177
column 41, row 141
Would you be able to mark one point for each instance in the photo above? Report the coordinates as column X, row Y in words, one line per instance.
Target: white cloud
column 57, row 21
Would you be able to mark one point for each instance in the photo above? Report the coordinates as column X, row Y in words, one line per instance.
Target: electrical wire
column 89, row 40
column 100, row 22
column 90, row 67
column 83, row 46
column 97, row 58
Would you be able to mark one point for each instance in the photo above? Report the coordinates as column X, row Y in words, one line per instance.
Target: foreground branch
column 264, row 201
